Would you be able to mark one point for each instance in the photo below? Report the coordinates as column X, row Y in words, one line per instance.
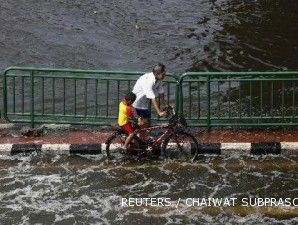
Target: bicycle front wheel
column 180, row 145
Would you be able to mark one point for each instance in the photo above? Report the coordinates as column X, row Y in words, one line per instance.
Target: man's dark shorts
column 144, row 113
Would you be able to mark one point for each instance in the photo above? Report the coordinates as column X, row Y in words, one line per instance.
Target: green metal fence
column 239, row 98
column 69, row 96
column 91, row 97
column 1, row 96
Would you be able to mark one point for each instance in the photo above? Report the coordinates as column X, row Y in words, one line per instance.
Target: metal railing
column 68, row 96
column 214, row 99
column 91, row 97
column 1, row 96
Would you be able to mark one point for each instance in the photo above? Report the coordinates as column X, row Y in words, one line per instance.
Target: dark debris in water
column 31, row 132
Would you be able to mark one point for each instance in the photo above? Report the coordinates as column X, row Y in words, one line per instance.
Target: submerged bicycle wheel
column 114, row 145
column 180, row 145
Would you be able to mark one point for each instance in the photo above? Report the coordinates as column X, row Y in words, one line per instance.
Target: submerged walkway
column 217, row 141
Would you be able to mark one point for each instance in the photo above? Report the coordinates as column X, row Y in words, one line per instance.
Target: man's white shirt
column 146, row 87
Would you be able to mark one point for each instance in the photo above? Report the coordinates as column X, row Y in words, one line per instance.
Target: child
column 125, row 115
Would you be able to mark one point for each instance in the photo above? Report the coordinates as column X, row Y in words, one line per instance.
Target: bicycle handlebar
column 170, row 111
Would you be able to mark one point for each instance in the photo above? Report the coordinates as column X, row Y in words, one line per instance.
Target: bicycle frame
column 169, row 131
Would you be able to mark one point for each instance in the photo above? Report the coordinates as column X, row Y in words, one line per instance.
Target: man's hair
column 130, row 97
column 159, row 67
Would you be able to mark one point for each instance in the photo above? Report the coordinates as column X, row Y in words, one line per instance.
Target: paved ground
column 87, row 135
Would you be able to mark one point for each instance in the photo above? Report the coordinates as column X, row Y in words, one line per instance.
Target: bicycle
column 174, row 142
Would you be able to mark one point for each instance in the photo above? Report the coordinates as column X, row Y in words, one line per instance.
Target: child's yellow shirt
column 125, row 113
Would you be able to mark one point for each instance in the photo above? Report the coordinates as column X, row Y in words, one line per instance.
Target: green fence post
column 208, row 104
column 32, row 99
column 4, row 109
column 1, row 82
column 177, row 102
column 179, row 97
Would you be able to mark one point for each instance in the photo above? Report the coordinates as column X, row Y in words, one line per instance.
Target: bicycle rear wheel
column 180, row 145
column 114, row 145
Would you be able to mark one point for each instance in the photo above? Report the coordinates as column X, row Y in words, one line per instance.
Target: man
column 149, row 86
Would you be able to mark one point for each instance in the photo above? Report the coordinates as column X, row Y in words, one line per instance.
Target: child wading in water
column 126, row 115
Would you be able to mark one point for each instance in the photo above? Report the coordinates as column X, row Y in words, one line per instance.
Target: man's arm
column 155, row 105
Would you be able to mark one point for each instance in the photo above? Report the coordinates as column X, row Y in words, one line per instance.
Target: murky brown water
column 190, row 35
column 49, row 189
column 196, row 35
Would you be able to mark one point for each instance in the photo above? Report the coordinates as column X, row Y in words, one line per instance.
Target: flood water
column 52, row 189
column 197, row 35
column 193, row 35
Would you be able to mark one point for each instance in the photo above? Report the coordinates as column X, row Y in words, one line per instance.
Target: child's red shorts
column 127, row 128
